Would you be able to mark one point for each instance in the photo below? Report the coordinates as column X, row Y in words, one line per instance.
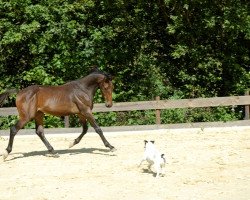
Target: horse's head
column 106, row 87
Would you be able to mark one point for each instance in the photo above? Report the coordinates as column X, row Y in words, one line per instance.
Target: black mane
column 96, row 70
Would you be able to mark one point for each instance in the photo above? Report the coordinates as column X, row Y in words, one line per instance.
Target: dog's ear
column 162, row 155
column 152, row 141
column 145, row 141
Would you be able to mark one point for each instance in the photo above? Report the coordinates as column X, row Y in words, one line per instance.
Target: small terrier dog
column 153, row 157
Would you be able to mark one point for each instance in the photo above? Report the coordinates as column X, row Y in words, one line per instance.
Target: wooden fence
column 159, row 105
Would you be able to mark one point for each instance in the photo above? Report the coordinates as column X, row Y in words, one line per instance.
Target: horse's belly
column 59, row 109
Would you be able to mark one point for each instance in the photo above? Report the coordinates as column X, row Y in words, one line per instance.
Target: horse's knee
column 39, row 131
column 98, row 130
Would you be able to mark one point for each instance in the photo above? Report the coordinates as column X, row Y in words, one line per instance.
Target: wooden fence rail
column 162, row 104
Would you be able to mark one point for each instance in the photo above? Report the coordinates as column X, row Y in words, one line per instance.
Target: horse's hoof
column 71, row 144
column 56, row 155
column 113, row 149
column 5, row 155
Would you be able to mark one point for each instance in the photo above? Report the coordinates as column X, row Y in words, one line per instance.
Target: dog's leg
column 158, row 170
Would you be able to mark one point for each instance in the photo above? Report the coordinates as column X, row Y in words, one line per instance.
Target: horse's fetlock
column 51, row 150
column 8, row 150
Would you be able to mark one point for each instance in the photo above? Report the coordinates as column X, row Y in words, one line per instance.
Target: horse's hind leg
column 40, row 132
column 84, row 131
column 13, row 131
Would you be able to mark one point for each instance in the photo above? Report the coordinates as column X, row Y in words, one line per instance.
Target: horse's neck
column 90, row 83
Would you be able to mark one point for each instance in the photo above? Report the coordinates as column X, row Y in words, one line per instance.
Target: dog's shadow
column 148, row 171
column 98, row 151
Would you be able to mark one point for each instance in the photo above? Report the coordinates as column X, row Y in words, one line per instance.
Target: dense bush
column 167, row 48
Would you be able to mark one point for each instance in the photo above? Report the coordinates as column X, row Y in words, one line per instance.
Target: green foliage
column 41, row 77
column 200, row 115
column 7, row 122
column 53, row 122
column 50, row 122
column 166, row 48
column 106, row 119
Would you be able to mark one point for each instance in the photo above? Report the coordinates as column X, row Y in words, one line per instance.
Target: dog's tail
column 164, row 159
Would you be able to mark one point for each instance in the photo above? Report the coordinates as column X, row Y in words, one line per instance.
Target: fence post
column 158, row 113
column 246, row 107
column 66, row 122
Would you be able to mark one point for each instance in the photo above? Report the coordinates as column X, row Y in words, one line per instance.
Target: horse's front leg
column 98, row 130
column 84, row 131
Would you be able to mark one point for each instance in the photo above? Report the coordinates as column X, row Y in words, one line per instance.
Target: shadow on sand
column 99, row 151
column 148, row 171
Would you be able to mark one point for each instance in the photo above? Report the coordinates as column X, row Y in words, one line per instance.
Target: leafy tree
column 170, row 48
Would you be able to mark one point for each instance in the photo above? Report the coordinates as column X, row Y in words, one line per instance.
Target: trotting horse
column 75, row 97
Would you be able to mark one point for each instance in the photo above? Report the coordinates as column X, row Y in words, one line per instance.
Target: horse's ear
column 109, row 77
column 94, row 68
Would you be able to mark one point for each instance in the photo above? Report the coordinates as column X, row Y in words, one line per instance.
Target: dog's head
column 151, row 142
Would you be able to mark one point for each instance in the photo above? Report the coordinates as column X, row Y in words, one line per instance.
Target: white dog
column 153, row 157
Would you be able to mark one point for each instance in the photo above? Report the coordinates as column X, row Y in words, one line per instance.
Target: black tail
column 5, row 95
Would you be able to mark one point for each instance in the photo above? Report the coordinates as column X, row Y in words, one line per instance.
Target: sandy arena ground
column 209, row 164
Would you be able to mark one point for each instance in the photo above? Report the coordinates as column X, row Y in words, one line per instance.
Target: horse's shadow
column 99, row 151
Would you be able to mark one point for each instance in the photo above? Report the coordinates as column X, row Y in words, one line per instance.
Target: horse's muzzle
column 108, row 105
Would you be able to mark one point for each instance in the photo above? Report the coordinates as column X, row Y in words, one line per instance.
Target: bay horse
column 74, row 97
